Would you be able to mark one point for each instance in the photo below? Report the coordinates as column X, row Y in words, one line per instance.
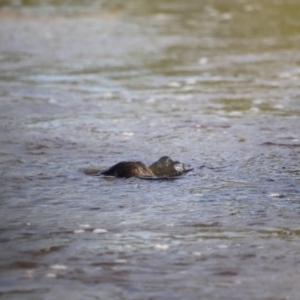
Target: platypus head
column 165, row 166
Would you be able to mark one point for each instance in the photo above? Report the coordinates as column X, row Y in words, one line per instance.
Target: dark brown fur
column 127, row 169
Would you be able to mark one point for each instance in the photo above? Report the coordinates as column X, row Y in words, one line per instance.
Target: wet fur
column 163, row 168
column 127, row 169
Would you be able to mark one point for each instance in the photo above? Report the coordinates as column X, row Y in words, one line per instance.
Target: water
column 212, row 84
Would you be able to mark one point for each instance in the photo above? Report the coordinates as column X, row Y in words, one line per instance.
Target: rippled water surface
column 213, row 84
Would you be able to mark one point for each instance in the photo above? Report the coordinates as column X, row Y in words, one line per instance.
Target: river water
column 213, row 84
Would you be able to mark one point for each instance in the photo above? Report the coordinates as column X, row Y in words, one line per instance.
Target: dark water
column 213, row 84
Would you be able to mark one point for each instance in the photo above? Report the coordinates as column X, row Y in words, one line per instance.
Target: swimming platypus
column 164, row 167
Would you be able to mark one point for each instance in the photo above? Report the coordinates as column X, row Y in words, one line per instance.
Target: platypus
column 164, row 167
